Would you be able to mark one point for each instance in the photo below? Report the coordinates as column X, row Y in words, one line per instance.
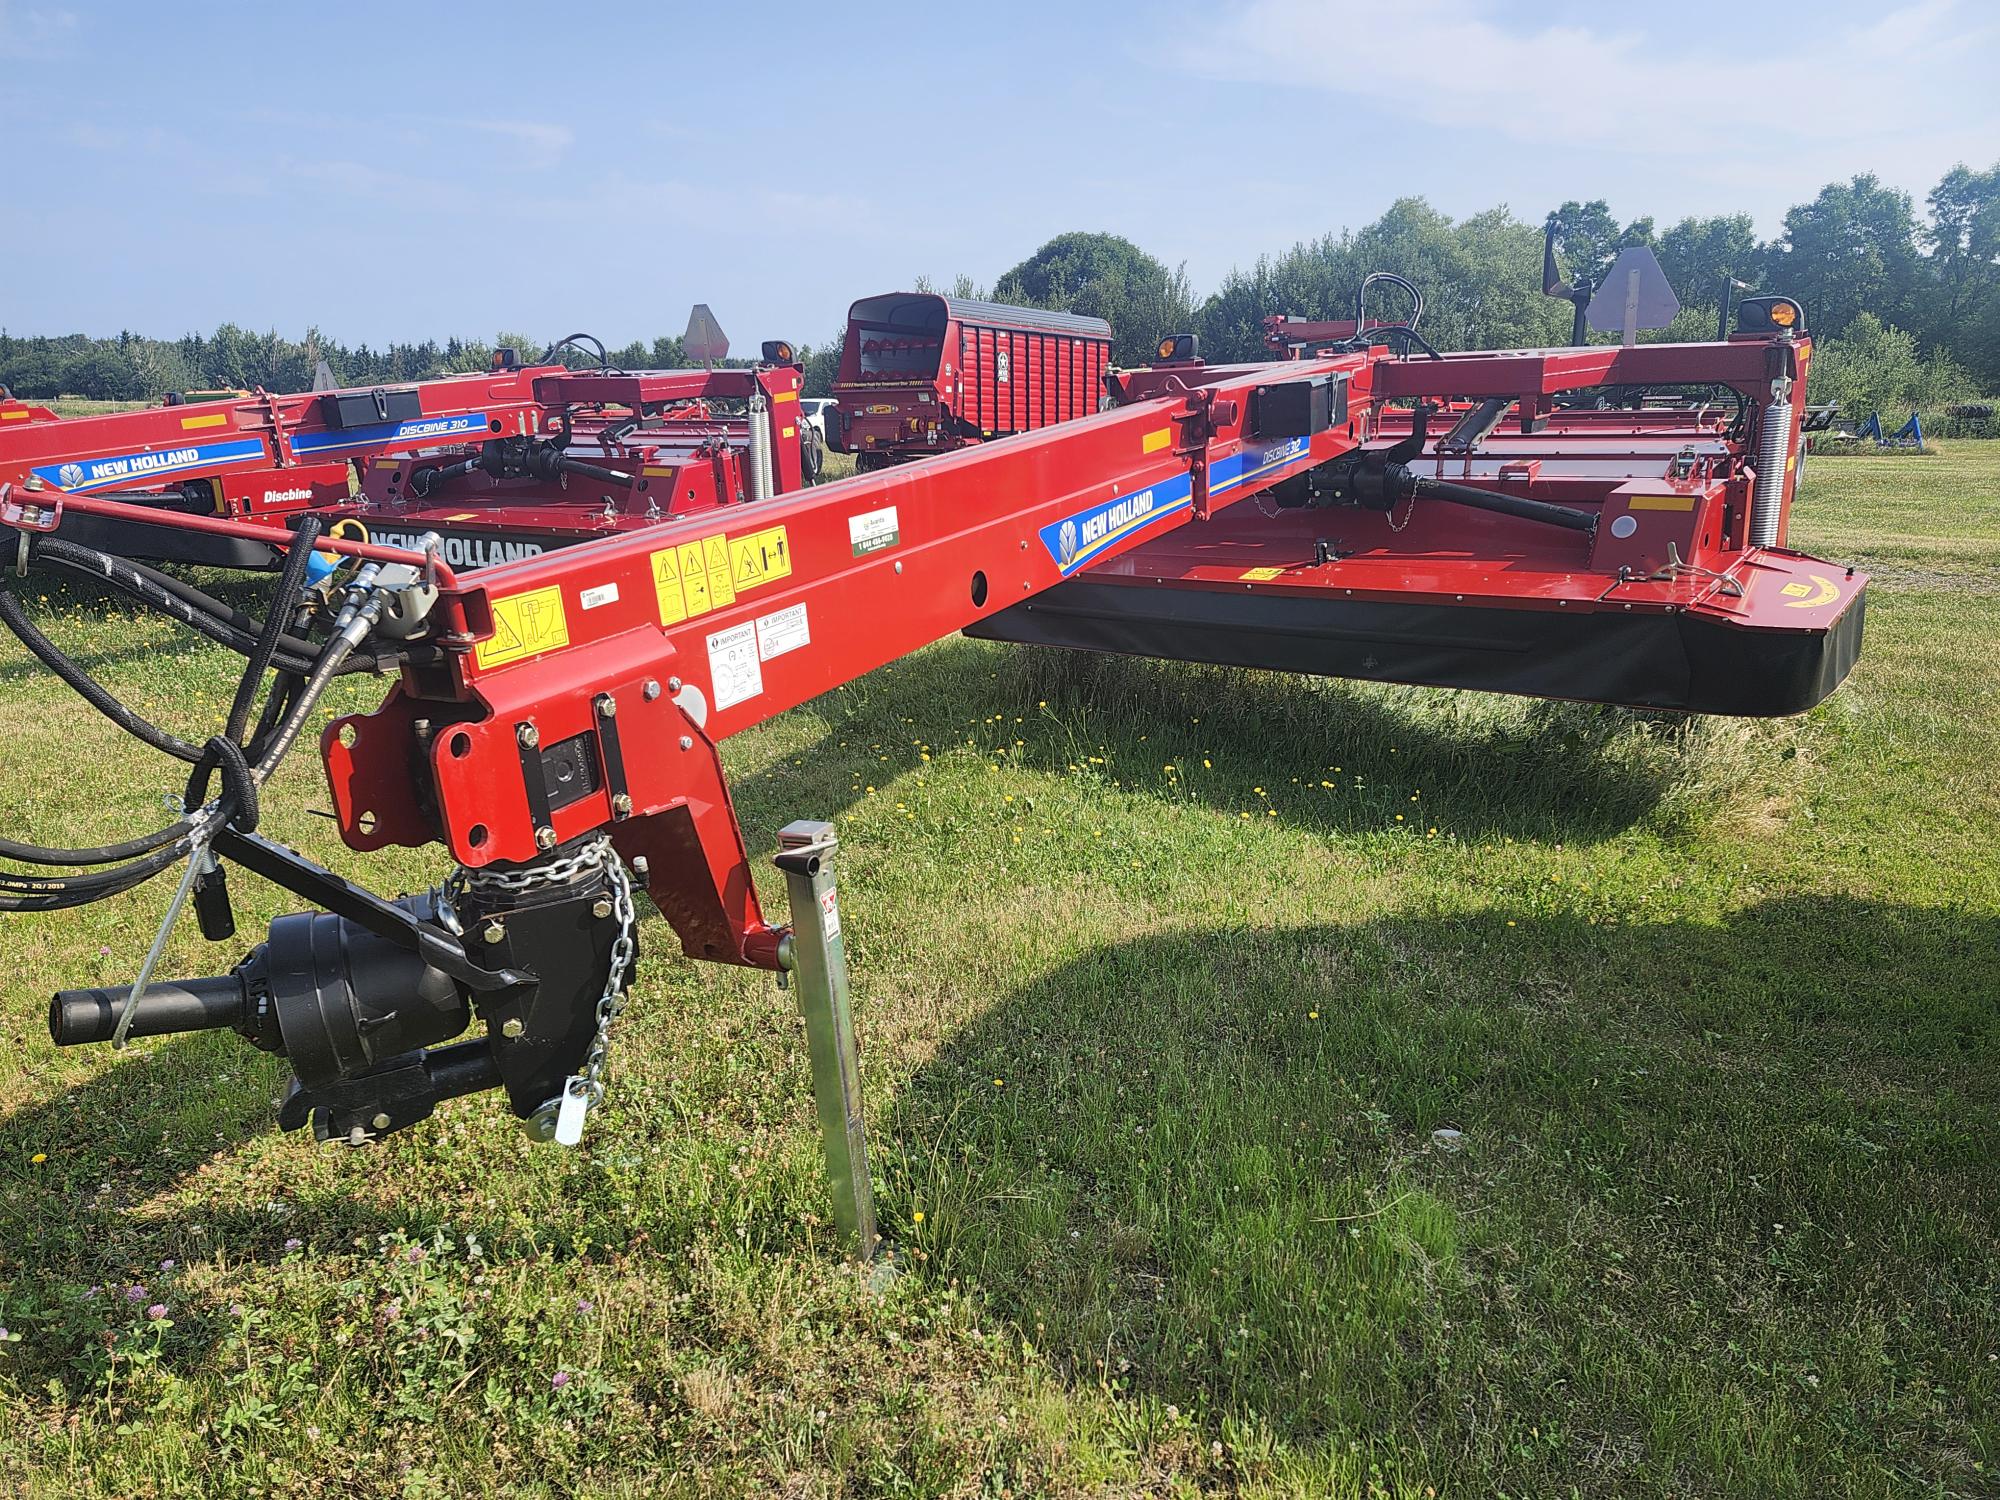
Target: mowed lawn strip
column 1168, row 979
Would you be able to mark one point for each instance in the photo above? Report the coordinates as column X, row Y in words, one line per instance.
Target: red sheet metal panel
column 922, row 373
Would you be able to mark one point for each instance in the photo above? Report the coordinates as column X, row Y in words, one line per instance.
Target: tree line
column 1906, row 304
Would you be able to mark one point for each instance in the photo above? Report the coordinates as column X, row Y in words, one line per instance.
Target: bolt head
column 650, row 689
column 512, row 1027
column 601, row 907
column 494, row 932
column 382, row 1121
column 607, row 706
column 621, row 805
column 642, row 867
column 528, row 736
column 541, row 1125
column 673, row 684
column 545, row 837
column 687, row 742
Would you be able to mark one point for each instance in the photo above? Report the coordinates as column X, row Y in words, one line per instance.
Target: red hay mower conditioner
column 1528, row 521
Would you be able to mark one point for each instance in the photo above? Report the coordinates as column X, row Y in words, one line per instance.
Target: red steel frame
column 248, row 446
column 969, row 533
column 654, row 645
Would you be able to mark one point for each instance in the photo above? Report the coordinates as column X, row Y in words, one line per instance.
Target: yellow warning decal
column 525, row 625
column 667, row 586
column 1261, row 575
column 784, row 396
column 212, row 419
column 1810, row 595
column 463, row 515
column 760, row 558
column 791, row 432
column 1660, row 502
column 654, row 471
column 715, row 555
column 15, row 416
column 695, row 577
column 1155, row 440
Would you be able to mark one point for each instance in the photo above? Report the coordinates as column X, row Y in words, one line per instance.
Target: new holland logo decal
column 1077, row 538
column 144, row 468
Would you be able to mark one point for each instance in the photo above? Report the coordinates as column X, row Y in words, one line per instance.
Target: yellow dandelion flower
column 917, row 1217
column 39, row 1157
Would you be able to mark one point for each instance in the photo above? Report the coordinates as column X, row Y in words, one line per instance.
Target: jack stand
column 815, row 956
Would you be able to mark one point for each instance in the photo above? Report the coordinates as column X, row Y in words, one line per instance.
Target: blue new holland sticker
column 417, row 429
column 1076, row 539
column 86, row 474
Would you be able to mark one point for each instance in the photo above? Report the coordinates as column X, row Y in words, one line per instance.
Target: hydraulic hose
column 183, row 602
column 1506, row 505
column 89, row 688
column 291, row 583
column 1379, row 485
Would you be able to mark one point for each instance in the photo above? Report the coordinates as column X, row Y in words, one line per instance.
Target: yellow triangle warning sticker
column 525, row 625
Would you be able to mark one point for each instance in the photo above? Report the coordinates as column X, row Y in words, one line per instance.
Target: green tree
column 1964, row 239
column 1696, row 254
column 1480, row 279
column 1104, row 276
column 1853, row 249
column 1876, row 367
column 1588, row 239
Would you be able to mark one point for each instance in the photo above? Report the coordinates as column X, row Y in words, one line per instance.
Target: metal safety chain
column 581, row 1091
column 612, row 1001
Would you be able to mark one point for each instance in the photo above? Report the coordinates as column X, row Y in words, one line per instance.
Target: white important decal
column 785, row 630
column 732, row 665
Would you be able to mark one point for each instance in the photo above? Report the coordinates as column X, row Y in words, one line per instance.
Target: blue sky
column 413, row 169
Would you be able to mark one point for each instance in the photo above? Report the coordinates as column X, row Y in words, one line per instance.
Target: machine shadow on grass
column 1496, row 767
column 1200, row 1166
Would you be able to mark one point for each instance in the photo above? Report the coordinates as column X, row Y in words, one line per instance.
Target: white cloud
column 35, row 34
column 543, row 145
column 1905, row 95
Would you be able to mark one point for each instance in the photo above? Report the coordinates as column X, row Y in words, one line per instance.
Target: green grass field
column 1166, row 977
